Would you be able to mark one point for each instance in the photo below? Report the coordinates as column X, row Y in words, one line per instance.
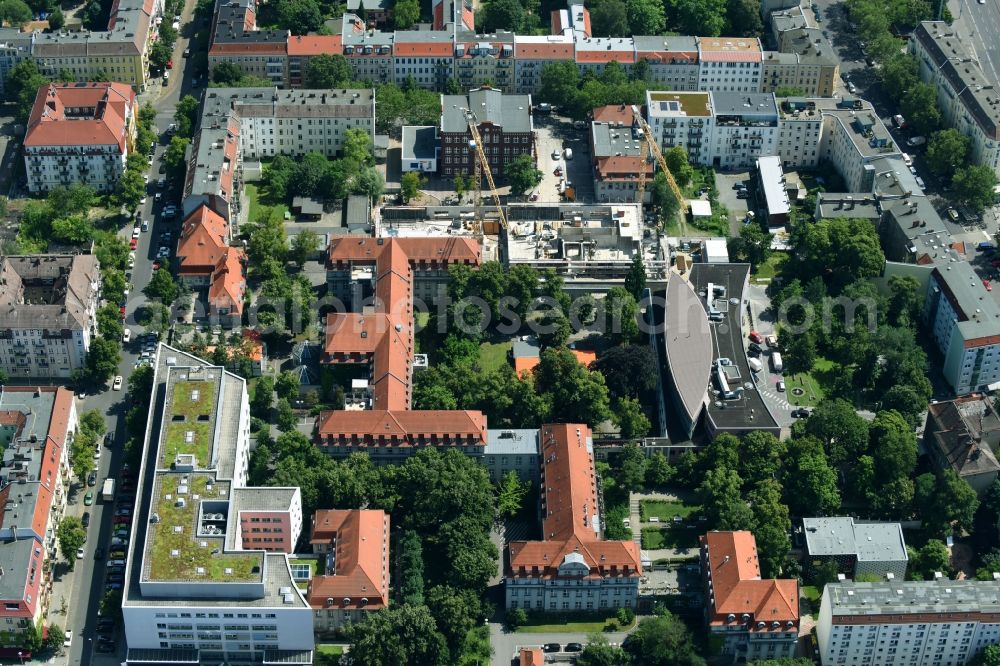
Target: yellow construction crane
column 650, row 144
column 482, row 167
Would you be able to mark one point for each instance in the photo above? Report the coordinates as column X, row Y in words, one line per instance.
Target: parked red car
column 756, row 337
column 121, row 311
column 133, row 243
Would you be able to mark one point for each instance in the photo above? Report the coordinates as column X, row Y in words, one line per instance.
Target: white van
column 569, row 153
column 755, row 364
column 776, row 362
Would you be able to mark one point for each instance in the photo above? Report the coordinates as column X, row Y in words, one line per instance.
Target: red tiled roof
column 402, row 428
column 228, row 282
column 524, row 365
column 202, row 242
column 360, row 539
column 606, row 56
column 431, row 49
column 621, row 167
column 731, row 561
column 600, row 557
column 615, row 113
column 543, row 51
column 419, row 250
column 569, row 486
column 532, row 657
column 310, row 45
column 112, row 105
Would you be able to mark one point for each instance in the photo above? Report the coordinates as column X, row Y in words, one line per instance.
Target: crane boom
column 653, row 146
column 485, row 167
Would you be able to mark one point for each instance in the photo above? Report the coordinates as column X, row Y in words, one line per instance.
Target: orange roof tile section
column 311, row 45
column 544, row 51
column 202, row 242
column 379, row 427
column 524, row 365
column 360, row 538
column 614, row 113
column 426, row 49
column 532, row 657
column 228, row 282
column 738, row 589
column 621, row 167
column 569, row 508
column 622, row 56
column 569, row 486
column 105, row 122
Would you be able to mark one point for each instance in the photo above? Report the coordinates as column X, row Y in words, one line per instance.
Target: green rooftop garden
column 194, row 401
column 191, row 555
column 192, row 398
column 187, row 437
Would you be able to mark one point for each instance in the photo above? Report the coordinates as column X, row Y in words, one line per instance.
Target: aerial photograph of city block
column 500, row 332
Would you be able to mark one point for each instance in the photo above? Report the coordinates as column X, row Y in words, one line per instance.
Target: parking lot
column 555, row 134
column 725, row 182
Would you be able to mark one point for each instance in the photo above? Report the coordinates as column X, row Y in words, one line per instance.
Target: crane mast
column 650, row 145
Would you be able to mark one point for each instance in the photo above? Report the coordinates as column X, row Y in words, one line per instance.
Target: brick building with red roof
column 571, row 569
column 205, row 258
column 79, row 133
column 355, row 545
column 379, row 279
column 753, row 618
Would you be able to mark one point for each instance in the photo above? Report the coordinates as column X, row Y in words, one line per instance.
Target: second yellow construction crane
column 649, row 144
column 482, row 167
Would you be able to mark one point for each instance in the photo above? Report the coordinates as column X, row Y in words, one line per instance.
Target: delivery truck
column 776, row 362
column 108, row 492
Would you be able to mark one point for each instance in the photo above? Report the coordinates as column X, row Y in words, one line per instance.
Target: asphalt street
column 983, row 23
column 83, row 589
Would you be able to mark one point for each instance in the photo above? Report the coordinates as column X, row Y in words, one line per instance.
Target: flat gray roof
column 964, row 288
column 748, row 412
column 512, row 441
column 869, row 542
column 913, row 597
column 839, row 204
column 610, row 140
column 511, row 112
column 419, row 142
column 743, row 104
column 773, row 179
column 689, row 345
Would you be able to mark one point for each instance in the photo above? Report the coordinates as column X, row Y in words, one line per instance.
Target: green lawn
column 770, row 268
column 328, row 654
column 653, row 538
column 811, row 593
column 665, row 510
column 811, row 382
column 493, row 355
column 260, row 204
column 676, row 536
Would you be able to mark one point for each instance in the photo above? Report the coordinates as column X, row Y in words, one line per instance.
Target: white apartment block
column 48, row 313
column 79, row 133
column 532, row 53
column 912, row 623
column 726, row 130
column 428, row 56
column 855, row 141
column 293, row 122
column 968, row 99
column 198, row 587
column 672, row 61
column 963, row 320
column 730, row 64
